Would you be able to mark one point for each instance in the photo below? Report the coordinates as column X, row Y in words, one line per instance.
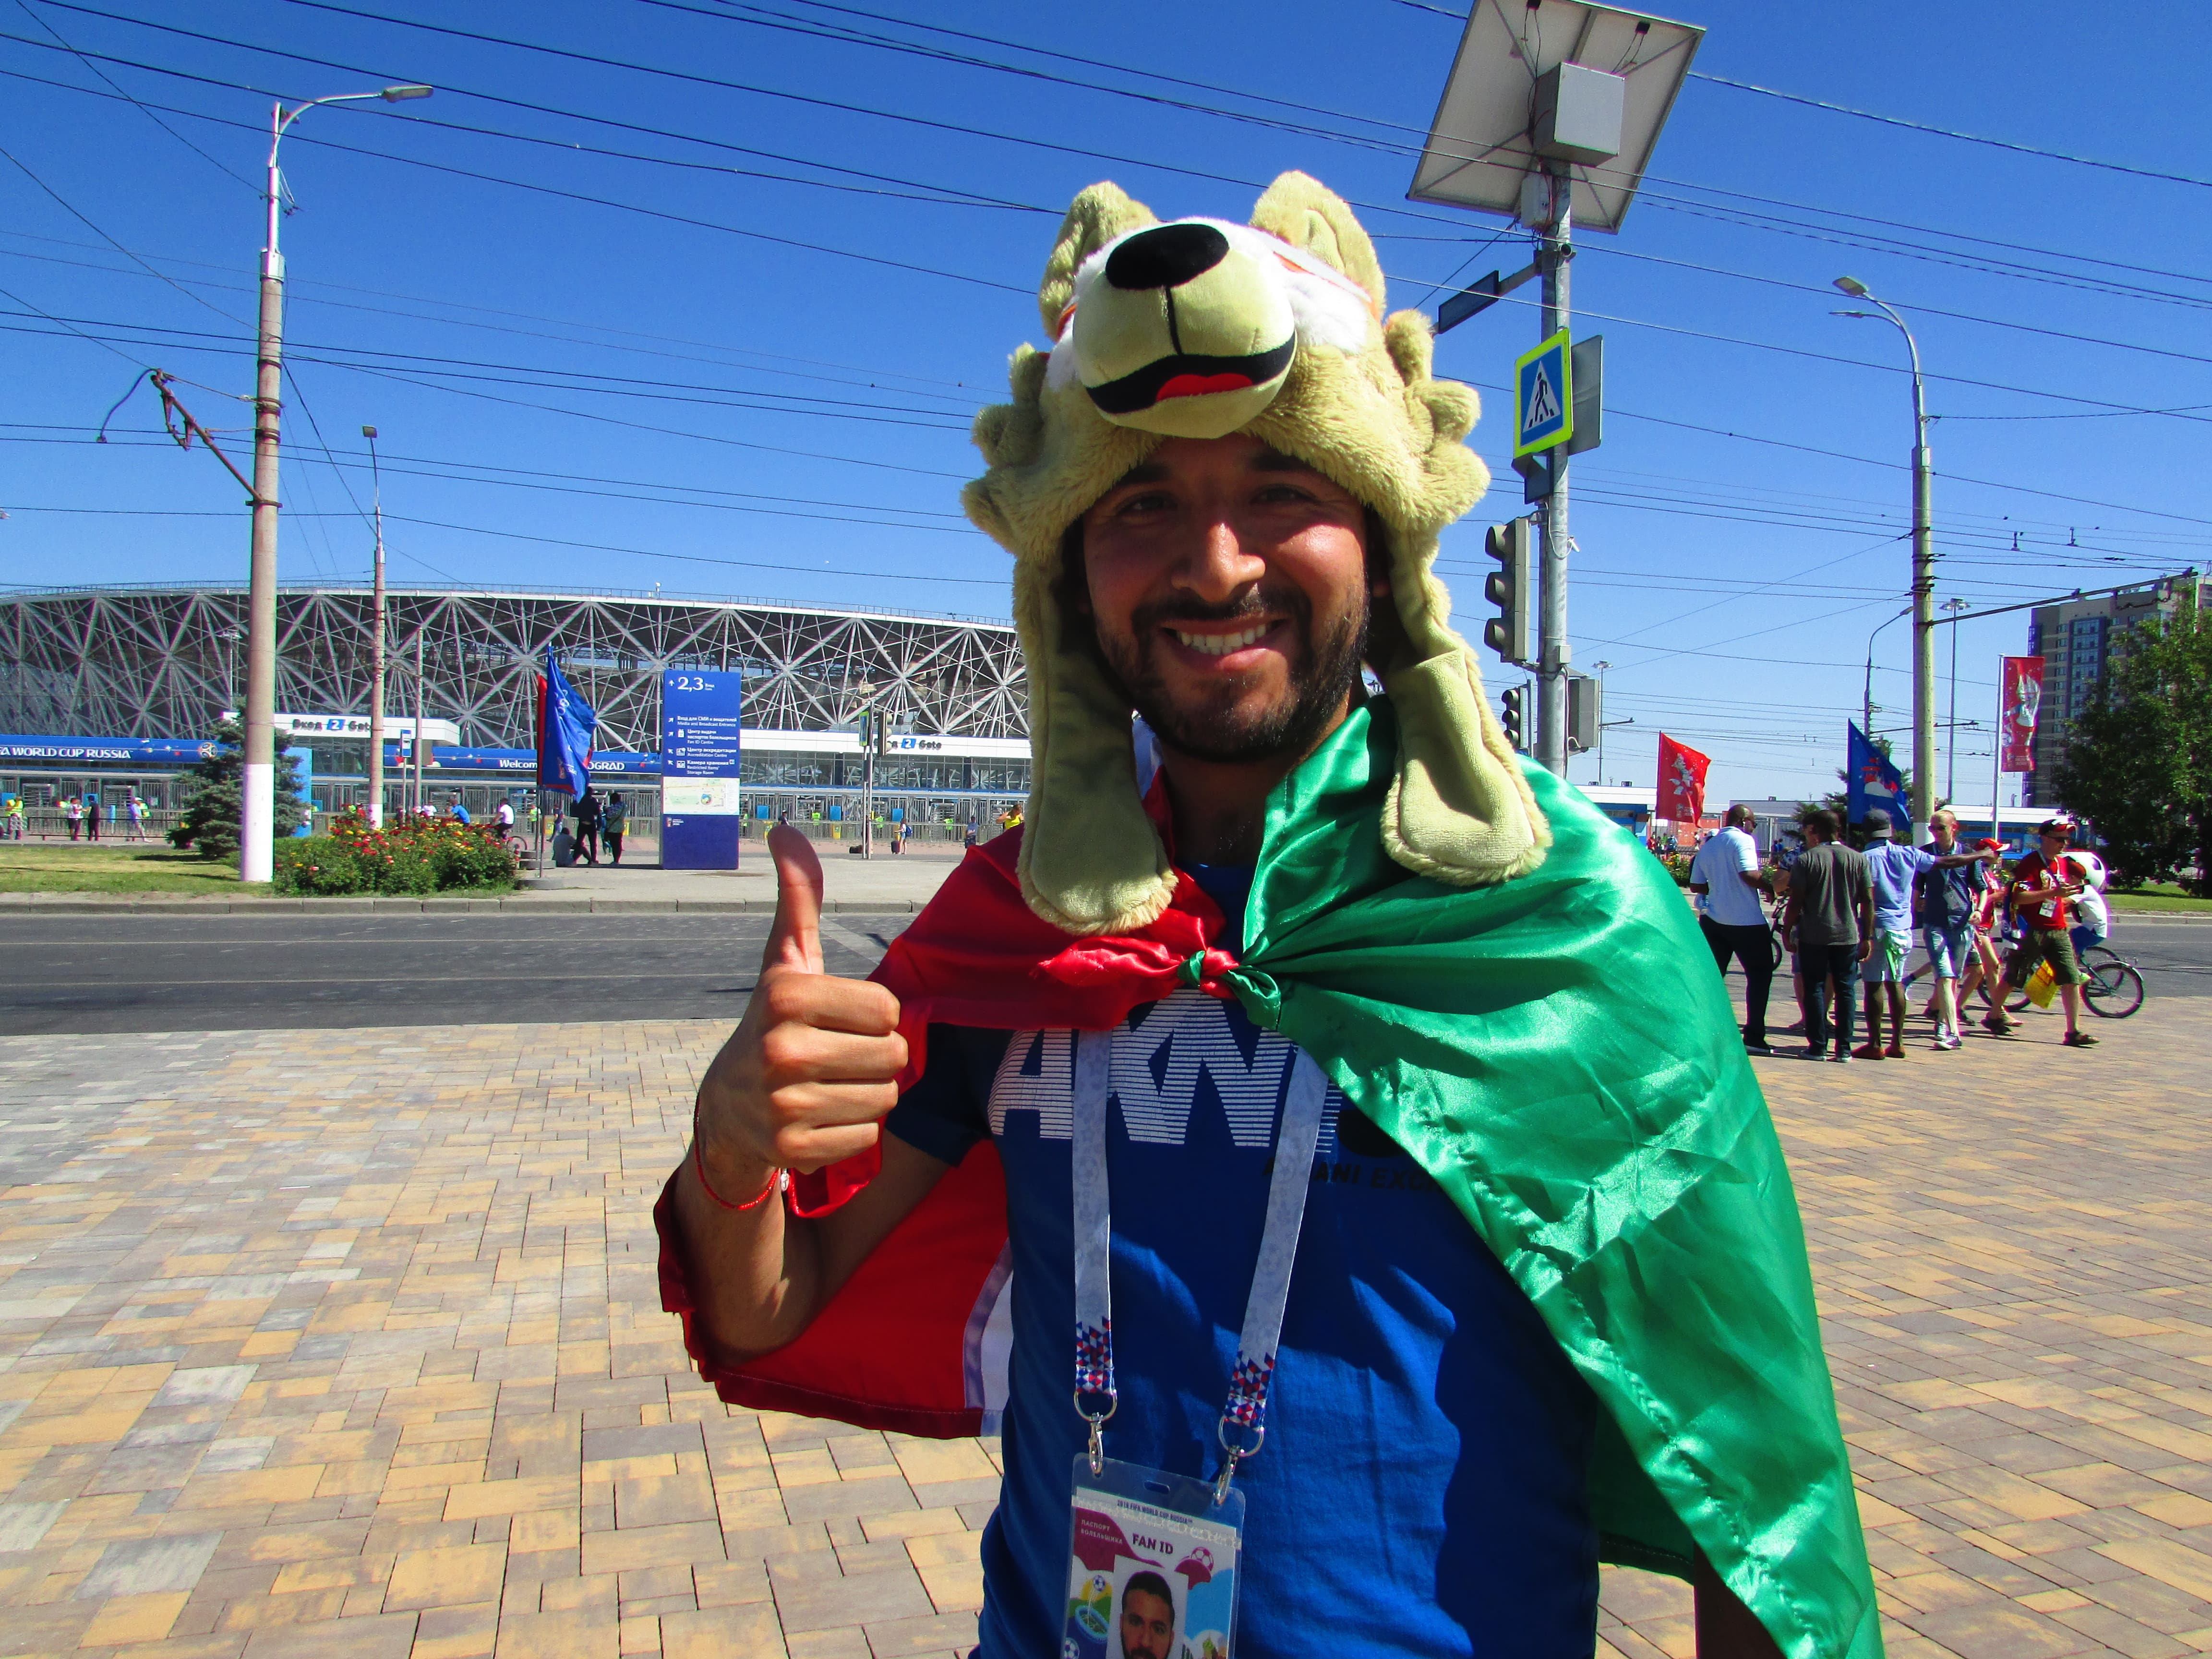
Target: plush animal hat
column 1197, row 329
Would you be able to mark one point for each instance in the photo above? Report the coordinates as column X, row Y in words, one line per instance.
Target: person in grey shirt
column 1830, row 924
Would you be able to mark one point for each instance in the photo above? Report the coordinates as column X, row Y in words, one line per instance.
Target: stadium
column 116, row 689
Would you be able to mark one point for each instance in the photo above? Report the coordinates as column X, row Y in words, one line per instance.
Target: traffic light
column 1585, row 713
column 1512, row 632
column 1511, row 720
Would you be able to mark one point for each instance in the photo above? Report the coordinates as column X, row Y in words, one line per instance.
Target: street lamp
column 376, row 652
column 1924, row 565
column 1866, row 701
column 257, row 813
column 1600, row 667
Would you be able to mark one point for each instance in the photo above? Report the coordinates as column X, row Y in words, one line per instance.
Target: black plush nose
column 1166, row 256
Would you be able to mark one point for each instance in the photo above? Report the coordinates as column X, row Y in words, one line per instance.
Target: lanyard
column 1243, row 1424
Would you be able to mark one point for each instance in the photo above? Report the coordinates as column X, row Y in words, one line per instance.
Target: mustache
column 1252, row 605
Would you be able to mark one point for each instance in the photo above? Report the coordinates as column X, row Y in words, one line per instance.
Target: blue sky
column 591, row 370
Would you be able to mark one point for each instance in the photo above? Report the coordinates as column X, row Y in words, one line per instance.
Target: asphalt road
column 223, row 973
column 229, row 973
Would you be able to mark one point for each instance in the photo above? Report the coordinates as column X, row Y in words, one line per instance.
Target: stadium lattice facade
column 163, row 661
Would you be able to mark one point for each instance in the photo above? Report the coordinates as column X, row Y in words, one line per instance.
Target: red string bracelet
column 699, row 1169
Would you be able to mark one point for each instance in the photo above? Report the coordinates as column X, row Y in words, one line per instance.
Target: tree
column 211, row 817
column 2138, row 763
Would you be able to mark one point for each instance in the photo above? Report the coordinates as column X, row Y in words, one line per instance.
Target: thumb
column 794, row 939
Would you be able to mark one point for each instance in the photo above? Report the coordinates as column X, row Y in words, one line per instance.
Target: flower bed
column 407, row 856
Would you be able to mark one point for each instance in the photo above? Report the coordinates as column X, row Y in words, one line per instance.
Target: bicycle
column 2114, row 985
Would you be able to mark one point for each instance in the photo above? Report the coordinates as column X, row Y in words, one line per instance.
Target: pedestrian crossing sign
column 1543, row 398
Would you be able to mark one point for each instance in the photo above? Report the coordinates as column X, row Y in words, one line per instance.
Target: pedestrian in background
column 1726, row 873
column 1892, row 870
column 1987, row 969
column 461, row 814
column 92, row 817
column 1950, row 897
column 587, row 825
column 14, row 826
column 502, row 819
column 73, row 810
column 614, row 824
column 136, row 811
column 2041, row 896
column 1830, row 924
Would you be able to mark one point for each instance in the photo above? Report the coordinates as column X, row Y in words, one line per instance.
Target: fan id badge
column 1152, row 1564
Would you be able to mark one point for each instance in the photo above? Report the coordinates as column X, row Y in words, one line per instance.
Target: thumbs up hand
column 812, row 1070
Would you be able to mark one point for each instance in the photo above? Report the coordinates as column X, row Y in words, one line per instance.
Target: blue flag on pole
column 1871, row 781
column 565, row 724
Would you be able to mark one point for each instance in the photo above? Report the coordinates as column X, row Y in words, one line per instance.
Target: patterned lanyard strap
column 1244, row 1418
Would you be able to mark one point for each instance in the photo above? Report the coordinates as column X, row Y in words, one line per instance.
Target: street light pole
column 376, row 652
column 1866, row 701
column 1600, row 667
column 257, row 813
column 1924, row 567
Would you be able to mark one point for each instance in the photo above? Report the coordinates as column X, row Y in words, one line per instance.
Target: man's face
column 2053, row 843
column 1228, row 585
column 1147, row 1625
column 1944, row 830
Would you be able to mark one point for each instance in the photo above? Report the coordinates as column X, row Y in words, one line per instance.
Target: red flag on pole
column 1682, row 782
column 2023, row 702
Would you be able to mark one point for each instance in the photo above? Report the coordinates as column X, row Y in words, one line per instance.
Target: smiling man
column 1279, row 1108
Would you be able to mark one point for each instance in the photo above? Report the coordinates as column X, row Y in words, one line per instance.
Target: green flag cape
column 1554, row 1052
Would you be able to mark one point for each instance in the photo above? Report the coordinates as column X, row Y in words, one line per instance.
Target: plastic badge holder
column 1137, row 1532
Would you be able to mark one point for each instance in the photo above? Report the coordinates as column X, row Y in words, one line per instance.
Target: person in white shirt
column 1726, row 874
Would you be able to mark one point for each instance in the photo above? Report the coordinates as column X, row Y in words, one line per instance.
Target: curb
column 13, row 905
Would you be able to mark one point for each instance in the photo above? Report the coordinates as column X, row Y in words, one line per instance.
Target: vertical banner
column 565, row 726
column 1682, row 782
column 2021, row 701
column 1872, row 780
column 699, row 731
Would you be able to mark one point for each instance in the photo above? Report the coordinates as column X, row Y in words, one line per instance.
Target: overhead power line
column 1949, row 132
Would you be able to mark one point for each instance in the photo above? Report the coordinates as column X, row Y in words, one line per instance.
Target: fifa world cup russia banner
column 1871, row 779
column 565, row 724
column 2021, row 702
column 1682, row 782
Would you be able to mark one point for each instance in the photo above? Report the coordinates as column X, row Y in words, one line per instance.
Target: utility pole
column 257, row 811
column 376, row 653
column 1954, row 605
column 1552, row 650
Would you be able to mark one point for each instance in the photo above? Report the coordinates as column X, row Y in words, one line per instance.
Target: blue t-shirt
column 1949, row 897
column 1421, row 1489
column 1891, row 867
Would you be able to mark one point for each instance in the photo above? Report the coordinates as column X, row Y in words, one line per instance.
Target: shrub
column 409, row 856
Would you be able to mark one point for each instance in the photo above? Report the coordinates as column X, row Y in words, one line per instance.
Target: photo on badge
column 1150, row 1579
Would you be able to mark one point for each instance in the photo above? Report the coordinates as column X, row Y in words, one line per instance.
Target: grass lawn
column 2159, row 896
column 28, row 866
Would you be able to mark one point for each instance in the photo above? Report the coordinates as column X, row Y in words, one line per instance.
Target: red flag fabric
column 1682, row 782
column 2023, row 702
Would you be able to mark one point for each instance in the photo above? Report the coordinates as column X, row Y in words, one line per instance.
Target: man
column 614, row 824
column 1148, row 1621
column 1333, row 934
column 503, row 819
column 1892, row 871
column 587, row 825
column 1726, row 874
column 1951, row 893
column 2041, row 895
column 1830, row 924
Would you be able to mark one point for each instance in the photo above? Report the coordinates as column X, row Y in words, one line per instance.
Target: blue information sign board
column 700, row 713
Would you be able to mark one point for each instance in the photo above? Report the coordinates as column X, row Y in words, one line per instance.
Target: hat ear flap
column 1307, row 214
column 1095, row 217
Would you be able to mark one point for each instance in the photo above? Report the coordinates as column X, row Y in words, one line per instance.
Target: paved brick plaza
column 347, row 1345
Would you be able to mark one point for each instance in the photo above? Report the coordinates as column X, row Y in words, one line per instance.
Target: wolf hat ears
column 1197, row 329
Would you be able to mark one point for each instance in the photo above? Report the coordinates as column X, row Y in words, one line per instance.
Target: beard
column 1323, row 673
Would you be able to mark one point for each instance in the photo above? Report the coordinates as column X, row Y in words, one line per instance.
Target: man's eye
column 1156, row 500
column 1278, row 493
